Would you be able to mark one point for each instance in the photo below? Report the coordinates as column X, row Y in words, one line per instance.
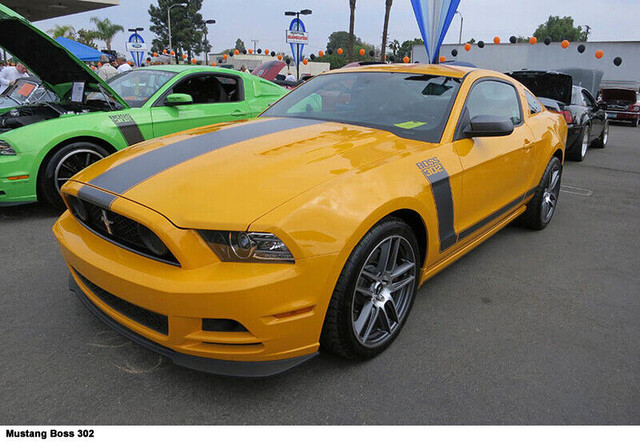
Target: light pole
column 206, row 38
column 298, row 14
column 183, row 5
column 461, row 23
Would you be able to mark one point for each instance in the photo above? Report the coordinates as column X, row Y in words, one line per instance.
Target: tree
column 340, row 39
column 66, row 31
column 406, row 48
column 383, row 53
column 560, row 29
column 105, row 30
column 187, row 27
column 240, row 45
column 87, row 37
column 352, row 20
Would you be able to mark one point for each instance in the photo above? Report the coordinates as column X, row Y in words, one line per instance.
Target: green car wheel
column 65, row 162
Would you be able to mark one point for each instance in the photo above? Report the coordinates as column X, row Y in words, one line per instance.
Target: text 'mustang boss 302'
column 242, row 248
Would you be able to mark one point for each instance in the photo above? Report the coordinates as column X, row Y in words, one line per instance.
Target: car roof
column 192, row 68
column 439, row 70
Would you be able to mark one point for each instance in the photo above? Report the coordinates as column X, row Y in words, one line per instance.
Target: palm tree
column 352, row 19
column 66, row 31
column 106, row 30
column 385, row 28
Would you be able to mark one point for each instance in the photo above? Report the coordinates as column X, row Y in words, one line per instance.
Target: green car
column 45, row 143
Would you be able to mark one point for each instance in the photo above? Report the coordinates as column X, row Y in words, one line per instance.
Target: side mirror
column 489, row 126
column 178, row 99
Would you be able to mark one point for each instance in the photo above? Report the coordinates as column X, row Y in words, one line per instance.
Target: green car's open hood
column 55, row 66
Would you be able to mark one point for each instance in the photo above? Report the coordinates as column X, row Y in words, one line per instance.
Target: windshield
column 137, row 86
column 414, row 106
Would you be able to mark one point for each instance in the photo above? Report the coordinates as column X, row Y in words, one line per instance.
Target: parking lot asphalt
column 529, row 328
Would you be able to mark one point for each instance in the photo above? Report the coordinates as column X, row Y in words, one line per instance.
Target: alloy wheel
column 550, row 196
column 585, row 143
column 73, row 163
column 384, row 290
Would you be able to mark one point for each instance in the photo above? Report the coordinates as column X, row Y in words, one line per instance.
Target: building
column 34, row 10
column 509, row 57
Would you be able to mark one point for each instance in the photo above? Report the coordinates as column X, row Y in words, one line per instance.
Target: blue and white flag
column 434, row 18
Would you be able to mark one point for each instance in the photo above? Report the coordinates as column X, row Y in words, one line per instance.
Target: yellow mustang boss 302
column 241, row 248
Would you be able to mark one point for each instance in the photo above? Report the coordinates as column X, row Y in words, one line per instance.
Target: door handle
column 238, row 113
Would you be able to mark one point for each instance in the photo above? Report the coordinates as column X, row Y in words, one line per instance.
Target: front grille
column 142, row 316
column 121, row 230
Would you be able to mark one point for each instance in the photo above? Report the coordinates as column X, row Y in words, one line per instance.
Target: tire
column 579, row 149
column 601, row 142
column 369, row 306
column 67, row 161
column 541, row 207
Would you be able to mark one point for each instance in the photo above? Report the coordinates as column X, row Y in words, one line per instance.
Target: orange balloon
column 443, row 59
column 565, row 44
column 173, row 53
column 320, row 54
column 467, row 47
column 362, row 51
column 236, row 52
column 225, row 56
column 251, row 51
column 213, row 63
column 599, row 54
column 496, row 40
column 266, row 51
column 279, row 56
column 99, row 64
column 164, row 51
column 184, row 56
column 340, row 51
column 194, row 61
column 305, row 61
column 406, row 59
column 155, row 54
column 533, row 40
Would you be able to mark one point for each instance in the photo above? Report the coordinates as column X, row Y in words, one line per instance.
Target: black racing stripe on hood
column 135, row 171
column 96, row 196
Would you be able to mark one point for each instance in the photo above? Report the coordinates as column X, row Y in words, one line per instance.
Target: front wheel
column 542, row 206
column 66, row 162
column 601, row 142
column 374, row 293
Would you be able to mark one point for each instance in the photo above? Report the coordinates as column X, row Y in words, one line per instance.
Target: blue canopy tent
column 83, row 52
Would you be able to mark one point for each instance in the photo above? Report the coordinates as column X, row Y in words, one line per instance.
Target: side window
column 534, row 104
column 494, row 98
column 588, row 99
column 576, row 97
column 208, row 88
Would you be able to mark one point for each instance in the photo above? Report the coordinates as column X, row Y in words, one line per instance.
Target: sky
column 262, row 20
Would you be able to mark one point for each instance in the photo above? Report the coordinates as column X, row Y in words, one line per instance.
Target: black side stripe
column 437, row 176
column 472, row 229
column 131, row 173
column 128, row 128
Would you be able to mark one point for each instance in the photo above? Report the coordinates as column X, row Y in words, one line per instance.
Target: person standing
column 123, row 66
column 290, row 77
column 106, row 71
column 9, row 75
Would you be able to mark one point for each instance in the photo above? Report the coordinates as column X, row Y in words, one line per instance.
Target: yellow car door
column 495, row 169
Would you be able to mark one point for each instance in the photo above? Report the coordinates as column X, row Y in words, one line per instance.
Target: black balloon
column 220, row 60
column 273, row 53
column 372, row 53
column 329, row 51
column 513, row 39
column 547, row 41
column 581, row 48
column 312, row 56
column 617, row 61
column 480, row 44
column 230, row 53
column 244, row 51
column 454, row 52
column 288, row 61
column 259, row 51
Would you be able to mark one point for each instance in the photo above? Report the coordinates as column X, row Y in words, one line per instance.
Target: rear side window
column 494, row 98
column 534, row 104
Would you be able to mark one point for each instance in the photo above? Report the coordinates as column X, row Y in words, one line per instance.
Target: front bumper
column 17, row 191
column 282, row 306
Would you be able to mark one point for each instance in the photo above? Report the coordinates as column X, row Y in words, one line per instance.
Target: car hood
column 619, row 95
column 226, row 176
column 269, row 70
column 46, row 58
column 552, row 85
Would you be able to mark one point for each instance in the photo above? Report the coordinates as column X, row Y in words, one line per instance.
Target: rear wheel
column 580, row 147
column 601, row 142
column 65, row 163
column 374, row 293
column 542, row 206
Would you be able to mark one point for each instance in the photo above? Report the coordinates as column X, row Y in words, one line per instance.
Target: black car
column 587, row 121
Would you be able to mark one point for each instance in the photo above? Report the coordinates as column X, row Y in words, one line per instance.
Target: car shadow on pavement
column 28, row 211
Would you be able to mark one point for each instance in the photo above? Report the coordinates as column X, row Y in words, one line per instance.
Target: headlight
column 6, row 150
column 240, row 246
